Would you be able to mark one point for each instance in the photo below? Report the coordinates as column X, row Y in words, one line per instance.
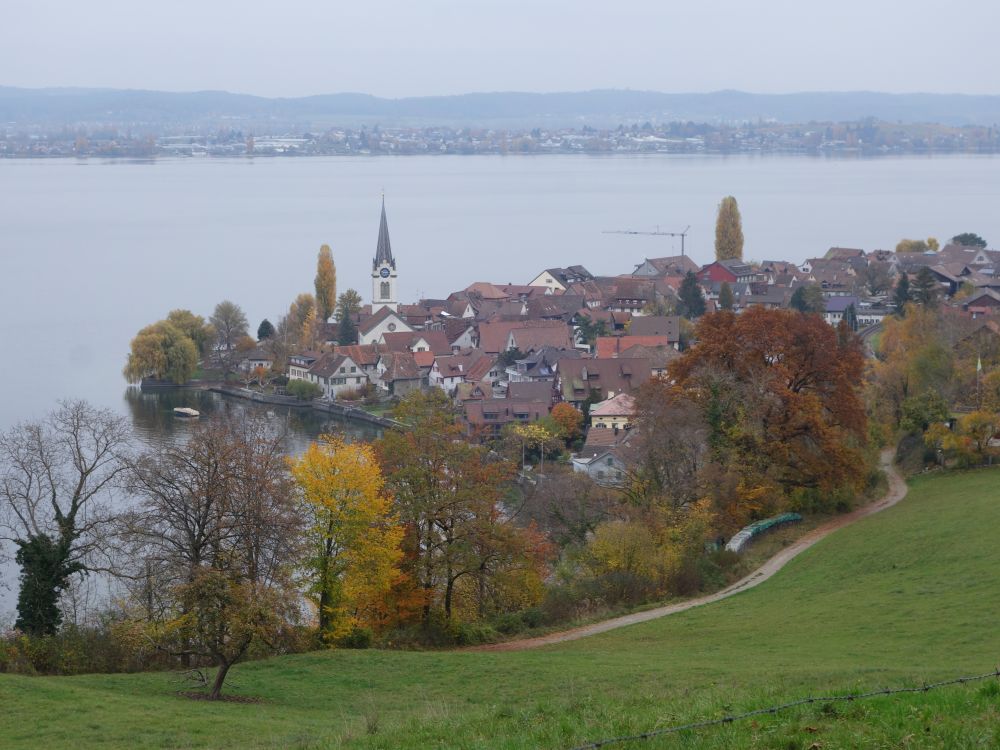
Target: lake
column 91, row 251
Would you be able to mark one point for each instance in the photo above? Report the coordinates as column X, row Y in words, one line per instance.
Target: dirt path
column 896, row 492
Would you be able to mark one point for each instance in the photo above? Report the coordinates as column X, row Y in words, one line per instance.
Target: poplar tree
column 326, row 284
column 729, row 231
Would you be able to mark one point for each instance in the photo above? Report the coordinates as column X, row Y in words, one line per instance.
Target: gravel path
column 896, row 492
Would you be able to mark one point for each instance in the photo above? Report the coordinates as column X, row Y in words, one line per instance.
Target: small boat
column 185, row 412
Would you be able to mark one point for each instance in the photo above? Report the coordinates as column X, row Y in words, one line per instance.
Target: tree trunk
column 220, row 677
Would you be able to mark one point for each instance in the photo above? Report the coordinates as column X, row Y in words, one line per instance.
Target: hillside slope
column 908, row 595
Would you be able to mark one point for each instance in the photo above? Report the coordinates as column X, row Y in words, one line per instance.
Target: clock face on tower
column 384, row 273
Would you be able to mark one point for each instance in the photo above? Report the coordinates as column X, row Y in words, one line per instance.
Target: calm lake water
column 91, row 251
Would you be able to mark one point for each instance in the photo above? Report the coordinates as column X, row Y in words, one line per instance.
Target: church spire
column 384, row 252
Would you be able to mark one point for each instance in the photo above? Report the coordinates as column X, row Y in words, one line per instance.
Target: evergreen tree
column 729, row 231
column 326, row 284
column 348, row 305
column 925, row 287
column 725, row 296
column 808, row 299
column 851, row 317
column 969, row 239
column 902, row 294
column 265, row 330
column 692, row 303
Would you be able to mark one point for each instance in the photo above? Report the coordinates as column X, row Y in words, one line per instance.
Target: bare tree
column 215, row 541
column 57, row 484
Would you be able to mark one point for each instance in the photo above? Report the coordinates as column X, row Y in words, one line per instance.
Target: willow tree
column 729, row 231
column 161, row 350
column 326, row 284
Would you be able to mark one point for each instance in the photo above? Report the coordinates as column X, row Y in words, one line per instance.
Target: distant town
column 867, row 137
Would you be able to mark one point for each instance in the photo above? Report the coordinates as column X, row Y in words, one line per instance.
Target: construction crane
column 682, row 235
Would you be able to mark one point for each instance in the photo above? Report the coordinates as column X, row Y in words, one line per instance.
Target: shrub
column 510, row 623
column 359, row 637
column 472, row 633
column 303, row 390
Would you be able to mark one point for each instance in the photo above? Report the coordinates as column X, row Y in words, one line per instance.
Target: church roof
column 383, row 253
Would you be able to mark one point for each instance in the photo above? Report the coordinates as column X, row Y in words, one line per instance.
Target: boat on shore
column 186, row 412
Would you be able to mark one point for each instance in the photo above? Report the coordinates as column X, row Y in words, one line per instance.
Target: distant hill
column 602, row 108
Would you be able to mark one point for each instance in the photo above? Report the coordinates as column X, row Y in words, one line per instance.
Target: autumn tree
column 162, row 351
column 728, row 231
column 781, row 395
column 808, row 298
column 459, row 544
column 913, row 359
column 917, row 246
column 692, row 301
column 354, row 538
column 193, row 326
column 301, row 315
column 568, row 419
column 217, row 529
column 58, row 483
column 348, row 305
column 726, row 300
column 877, row 277
column 326, row 284
column 230, row 324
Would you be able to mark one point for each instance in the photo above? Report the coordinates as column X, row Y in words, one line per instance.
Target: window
column 384, row 290
column 610, row 461
column 354, row 369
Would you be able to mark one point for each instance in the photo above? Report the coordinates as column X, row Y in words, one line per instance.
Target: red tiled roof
column 612, row 346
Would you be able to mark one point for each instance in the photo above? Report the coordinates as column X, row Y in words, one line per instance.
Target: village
column 507, row 354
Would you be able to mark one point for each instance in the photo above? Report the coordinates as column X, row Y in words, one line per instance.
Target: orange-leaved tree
column 781, row 393
column 354, row 535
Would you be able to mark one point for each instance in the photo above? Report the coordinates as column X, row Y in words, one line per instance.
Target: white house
column 383, row 321
column 336, row 373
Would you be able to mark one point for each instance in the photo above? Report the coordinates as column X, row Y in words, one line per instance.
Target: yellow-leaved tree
column 353, row 534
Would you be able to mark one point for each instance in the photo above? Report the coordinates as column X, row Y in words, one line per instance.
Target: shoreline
column 326, row 407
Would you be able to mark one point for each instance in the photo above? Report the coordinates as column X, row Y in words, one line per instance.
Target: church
column 384, row 270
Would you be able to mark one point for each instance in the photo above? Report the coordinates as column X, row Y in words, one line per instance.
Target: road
column 895, row 493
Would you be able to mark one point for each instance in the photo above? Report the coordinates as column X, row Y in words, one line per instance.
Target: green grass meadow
column 909, row 595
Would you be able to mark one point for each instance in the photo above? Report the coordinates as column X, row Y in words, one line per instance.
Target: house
column 383, row 321
column 537, row 390
column 843, row 253
column 657, row 325
column 985, row 302
column 615, row 413
column 836, row 309
column 336, row 373
column 532, row 339
column 604, row 457
column 417, row 341
column 399, row 373
column 494, row 335
column 726, row 270
column 257, row 357
column 539, row 366
column 560, row 279
column 364, row 356
column 487, row 417
column 299, row 364
column 578, row 379
column 674, row 265
column 609, row 347
column 461, row 334
column 468, row 366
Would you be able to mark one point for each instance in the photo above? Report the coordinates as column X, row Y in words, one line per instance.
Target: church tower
column 384, row 270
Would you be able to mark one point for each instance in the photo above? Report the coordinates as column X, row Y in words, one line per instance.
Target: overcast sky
column 420, row 47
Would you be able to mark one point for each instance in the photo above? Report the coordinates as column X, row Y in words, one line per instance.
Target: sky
column 397, row 48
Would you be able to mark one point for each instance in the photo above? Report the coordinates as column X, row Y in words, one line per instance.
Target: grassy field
column 909, row 595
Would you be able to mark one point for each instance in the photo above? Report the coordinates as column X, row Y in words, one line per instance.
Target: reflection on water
column 155, row 425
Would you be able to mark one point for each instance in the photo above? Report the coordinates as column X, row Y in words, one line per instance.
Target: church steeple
column 384, row 269
column 383, row 253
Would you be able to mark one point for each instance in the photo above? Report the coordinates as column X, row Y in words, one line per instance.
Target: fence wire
column 927, row 687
